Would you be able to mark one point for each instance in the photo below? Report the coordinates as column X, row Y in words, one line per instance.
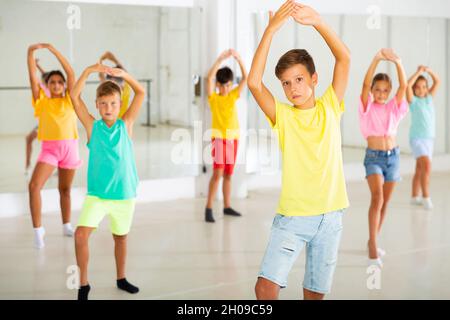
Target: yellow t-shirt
column 225, row 124
column 125, row 100
column 57, row 118
column 312, row 171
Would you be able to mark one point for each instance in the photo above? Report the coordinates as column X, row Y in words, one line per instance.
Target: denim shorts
column 289, row 235
column 384, row 163
column 422, row 147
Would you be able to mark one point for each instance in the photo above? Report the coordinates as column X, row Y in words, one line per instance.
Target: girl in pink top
column 379, row 120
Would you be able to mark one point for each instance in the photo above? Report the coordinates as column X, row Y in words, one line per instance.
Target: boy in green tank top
column 112, row 174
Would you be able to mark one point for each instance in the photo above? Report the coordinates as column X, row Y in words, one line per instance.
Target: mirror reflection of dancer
column 124, row 86
column 225, row 129
column 57, row 130
column 34, row 133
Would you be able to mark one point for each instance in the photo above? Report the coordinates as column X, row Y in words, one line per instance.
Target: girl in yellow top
column 57, row 130
column 125, row 98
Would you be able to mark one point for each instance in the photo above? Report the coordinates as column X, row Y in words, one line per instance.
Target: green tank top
column 112, row 170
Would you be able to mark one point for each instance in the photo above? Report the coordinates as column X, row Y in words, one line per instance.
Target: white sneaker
column 375, row 262
column 39, row 234
column 416, row 201
column 381, row 252
column 427, row 204
column 67, row 230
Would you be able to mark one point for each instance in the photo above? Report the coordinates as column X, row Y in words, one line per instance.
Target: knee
column 34, row 186
column 377, row 200
column 120, row 239
column 265, row 289
column 426, row 167
column 81, row 236
column 64, row 191
column 217, row 174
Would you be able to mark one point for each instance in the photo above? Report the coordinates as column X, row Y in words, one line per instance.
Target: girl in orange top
column 58, row 133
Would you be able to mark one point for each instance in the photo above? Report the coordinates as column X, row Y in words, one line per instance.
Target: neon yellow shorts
column 120, row 214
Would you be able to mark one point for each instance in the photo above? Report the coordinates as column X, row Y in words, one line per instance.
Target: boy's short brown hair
column 293, row 57
column 108, row 88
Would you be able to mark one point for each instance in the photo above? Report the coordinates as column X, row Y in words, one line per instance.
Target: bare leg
column 425, row 164
column 226, row 191
column 266, row 289
column 65, row 180
column 41, row 173
column 375, row 182
column 82, row 252
column 310, row 295
column 29, row 147
column 388, row 188
column 120, row 252
column 416, row 180
column 213, row 185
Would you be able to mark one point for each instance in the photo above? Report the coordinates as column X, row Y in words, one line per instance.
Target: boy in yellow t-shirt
column 313, row 195
column 225, row 129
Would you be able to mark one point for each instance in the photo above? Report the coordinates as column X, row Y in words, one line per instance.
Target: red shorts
column 224, row 153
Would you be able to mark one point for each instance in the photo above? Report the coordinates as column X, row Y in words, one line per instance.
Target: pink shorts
column 60, row 153
column 224, row 153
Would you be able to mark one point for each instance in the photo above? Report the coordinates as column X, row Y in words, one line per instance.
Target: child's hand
column 387, row 54
column 116, row 72
column 225, row 54
column 422, row 69
column 279, row 18
column 98, row 67
column 235, row 54
column 38, row 46
column 306, row 15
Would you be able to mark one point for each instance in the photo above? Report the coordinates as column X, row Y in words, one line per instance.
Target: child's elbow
column 346, row 57
column 253, row 83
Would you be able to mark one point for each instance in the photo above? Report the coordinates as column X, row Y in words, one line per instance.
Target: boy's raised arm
column 259, row 91
column 212, row 72
column 80, row 107
column 243, row 81
column 132, row 113
column 308, row 16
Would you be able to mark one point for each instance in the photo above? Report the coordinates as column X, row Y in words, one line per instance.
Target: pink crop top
column 381, row 120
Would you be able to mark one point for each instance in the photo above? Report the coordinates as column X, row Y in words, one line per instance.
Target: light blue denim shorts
column 422, row 147
column 384, row 163
column 289, row 235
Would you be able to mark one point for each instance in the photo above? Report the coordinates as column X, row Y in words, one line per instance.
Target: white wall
column 129, row 32
column 402, row 23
